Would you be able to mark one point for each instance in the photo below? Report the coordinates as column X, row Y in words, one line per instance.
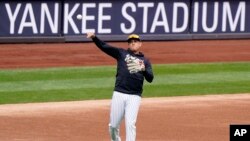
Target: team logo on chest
column 134, row 64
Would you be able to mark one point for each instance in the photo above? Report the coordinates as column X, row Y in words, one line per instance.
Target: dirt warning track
column 86, row 54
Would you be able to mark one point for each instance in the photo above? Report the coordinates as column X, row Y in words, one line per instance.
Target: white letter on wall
column 227, row 14
column 160, row 11
column 204, row 17
column 128, row 17
column 46, row 13
column 12, row 16
column 175, row 17
column 28, row 11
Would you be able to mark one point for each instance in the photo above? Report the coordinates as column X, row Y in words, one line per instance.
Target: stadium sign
column 58, row 18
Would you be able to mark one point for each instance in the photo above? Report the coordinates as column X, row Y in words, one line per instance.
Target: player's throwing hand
column 90, row 35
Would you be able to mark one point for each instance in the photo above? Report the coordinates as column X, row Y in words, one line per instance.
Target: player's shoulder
column 146, row 60
column 124, row 51
column 141, row 54
column 144, row 57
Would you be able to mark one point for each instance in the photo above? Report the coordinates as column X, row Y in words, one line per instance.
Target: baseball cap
column 133, row 36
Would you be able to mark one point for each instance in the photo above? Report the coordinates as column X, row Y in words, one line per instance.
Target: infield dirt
column 193, row 118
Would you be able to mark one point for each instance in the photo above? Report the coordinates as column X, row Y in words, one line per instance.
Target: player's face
column 134, row 45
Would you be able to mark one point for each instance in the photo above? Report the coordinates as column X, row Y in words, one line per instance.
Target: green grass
column 82, row 83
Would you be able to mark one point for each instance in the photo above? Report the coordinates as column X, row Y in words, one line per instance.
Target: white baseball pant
column 124, row 105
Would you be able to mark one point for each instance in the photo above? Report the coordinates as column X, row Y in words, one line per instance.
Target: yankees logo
column 134, row 64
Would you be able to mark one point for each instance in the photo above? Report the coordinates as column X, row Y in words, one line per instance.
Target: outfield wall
column 55, row 20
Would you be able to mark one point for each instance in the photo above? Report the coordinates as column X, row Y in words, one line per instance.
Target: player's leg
column 116, row 115
column 114, row 133
column 131, row 112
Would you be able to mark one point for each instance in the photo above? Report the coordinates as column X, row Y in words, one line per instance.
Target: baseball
column 79, row 17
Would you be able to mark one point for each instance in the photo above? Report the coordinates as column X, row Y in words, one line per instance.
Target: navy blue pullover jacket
column 126, row 82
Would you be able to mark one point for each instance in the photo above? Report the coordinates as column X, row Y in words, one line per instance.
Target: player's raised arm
column 112, row 51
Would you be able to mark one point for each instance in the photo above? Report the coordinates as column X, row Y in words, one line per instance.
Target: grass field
column 82, row 83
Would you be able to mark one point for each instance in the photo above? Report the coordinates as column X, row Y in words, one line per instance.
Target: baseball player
column 132, row 68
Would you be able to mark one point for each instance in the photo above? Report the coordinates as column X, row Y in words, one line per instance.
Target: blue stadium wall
column 113, row 20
